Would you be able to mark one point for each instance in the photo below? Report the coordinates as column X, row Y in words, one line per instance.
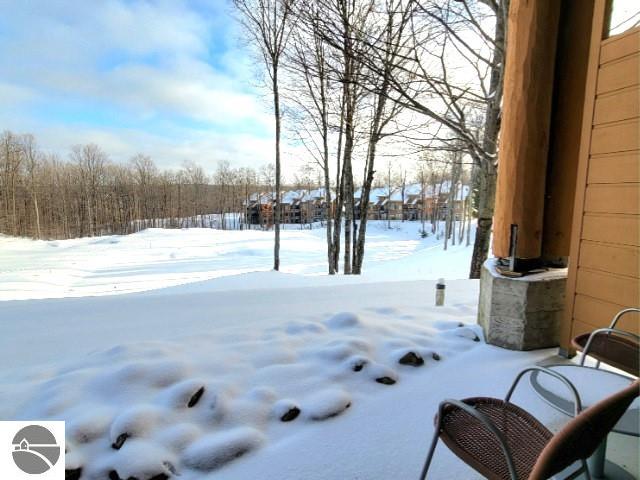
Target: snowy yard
column 273, row 376
column 157, row 258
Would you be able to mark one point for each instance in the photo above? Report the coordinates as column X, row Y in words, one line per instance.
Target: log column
column 572, row 60
column 524, row 313
column 524, row 138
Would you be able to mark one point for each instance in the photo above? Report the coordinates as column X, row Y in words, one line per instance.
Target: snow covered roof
column 444, row 188
column 413, row 189
column 377, row 195
column 396, row 195
column 374, row 194
column 265, row 198
column 262, row 198
column 292, row 196
column 316, row 194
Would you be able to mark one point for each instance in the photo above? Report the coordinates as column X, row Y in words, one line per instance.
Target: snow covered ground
column 125, row 369
column 157, row 258
column 283, row 376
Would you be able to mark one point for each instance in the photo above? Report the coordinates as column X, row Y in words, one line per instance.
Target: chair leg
column 584, row 469
column 585, row 466
column 432, row 449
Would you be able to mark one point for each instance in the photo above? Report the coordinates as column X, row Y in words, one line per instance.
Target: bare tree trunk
column 276, row 104
column 489, row 171
column 37, row 212
column 463, row 219
column 337, row 221
column 348, row 194
column 468, row 241
column 486, row 202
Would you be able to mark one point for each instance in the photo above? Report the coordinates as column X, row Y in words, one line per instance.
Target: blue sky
column 167, row 78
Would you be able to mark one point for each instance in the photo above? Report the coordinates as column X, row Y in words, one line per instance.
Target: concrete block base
column 521, row 313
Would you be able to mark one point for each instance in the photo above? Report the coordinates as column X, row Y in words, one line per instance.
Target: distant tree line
column 45, row 197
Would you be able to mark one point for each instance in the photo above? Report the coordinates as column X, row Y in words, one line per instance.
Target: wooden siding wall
column 605, row 233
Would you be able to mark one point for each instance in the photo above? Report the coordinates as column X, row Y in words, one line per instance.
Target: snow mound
column 356, row 363
column 185, row 394
column 382, row 374
column 136, row 421
column 140, row 459
column 326, row 404
column 296, row 328
column 89, row 424
column 472, row 333
column 215, row 450
column 177, row 437
column 343, row 320
column 286, row 410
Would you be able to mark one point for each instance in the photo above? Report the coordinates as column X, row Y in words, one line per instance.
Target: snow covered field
column 289, row 376
column 158, row 258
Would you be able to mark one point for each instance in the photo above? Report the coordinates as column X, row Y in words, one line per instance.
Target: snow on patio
column 261, row 375
column 187, row 382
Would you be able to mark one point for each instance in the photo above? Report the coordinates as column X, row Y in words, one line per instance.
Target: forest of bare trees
column 86, row 194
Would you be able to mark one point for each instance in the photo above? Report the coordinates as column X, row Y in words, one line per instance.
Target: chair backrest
column 580, row 437
column 614, row 347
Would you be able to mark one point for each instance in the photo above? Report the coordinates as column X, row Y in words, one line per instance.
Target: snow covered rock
column 286, row 410
column 137, row 421
column 117, row 445
column 186, row 393
column 138, row 459
column 385, row 380
column 412, row 359
column 382, row 374
column 467, row 332
column 326, row 404
column 195, row 397
column 215, row 450
column 73, row 473
column 356, row 363
column 89, row 425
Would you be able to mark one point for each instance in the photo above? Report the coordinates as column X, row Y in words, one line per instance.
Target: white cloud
column 153, row 62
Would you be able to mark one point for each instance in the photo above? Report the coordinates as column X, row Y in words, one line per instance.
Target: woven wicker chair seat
column 526, row 437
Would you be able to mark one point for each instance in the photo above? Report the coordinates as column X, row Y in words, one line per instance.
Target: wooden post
column 572, row 59
column 524, row 139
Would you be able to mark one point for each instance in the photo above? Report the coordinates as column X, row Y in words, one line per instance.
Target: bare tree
column 392, row 38
column 473, row 33
column 309, row 61
column 422, row 180
column 12, row 160
column 32, row 161
column 267, row 22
